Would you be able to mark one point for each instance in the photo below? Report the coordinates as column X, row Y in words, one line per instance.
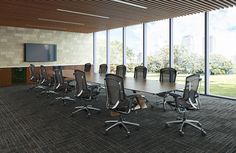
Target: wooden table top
column 149, row 86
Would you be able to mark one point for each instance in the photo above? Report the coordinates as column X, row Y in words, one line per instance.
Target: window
column 222, row 52
column 134, row 47
column 100, row 55
column 157, row 47
column 188, row 49
column 188, row 40
column 116, row 49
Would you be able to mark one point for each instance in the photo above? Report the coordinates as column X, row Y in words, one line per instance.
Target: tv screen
column 40, row 52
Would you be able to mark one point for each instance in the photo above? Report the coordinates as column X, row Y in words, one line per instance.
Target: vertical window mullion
column 108, row 49
column 206, row 53
column 145, row 44
column 124, row 44
column 94, row 50
column 171, row 50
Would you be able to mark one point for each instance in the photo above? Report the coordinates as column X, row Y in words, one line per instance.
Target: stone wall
column 72, row 48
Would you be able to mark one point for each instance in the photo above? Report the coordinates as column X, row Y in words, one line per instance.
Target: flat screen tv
column 40, row 52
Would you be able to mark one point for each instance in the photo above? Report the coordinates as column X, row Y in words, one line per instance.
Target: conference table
column 141, row 85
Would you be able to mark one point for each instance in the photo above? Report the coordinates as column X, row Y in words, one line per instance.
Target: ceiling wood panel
column 25, row 13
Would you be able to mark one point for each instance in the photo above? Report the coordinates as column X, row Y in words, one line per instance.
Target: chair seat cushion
column 184, row 104
column 171, row 103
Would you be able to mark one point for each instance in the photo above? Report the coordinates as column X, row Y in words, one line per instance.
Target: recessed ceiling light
column 81, row 13
column 59, row 21
column 47, row 27
column 131, row 4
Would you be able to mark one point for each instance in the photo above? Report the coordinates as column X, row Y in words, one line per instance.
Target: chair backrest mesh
column 140, row 72
column 191, row 86
column 87, row 67
column 32, row 72
column 43, row 74
column 58, row 77
column 168, row 75
column 80, row 79
column 114, row 89
column 103, row 68
column 121, row 70
column 57, row 67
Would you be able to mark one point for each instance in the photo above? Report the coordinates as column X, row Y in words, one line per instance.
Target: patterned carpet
column 28, row 124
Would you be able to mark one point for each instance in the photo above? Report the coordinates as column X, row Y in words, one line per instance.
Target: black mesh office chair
column 188, row 101
column 140, row 72
column 121, row 70
column 87, row 67
column 118, row 102
column 166, row 75
column 83, row 91
column 45, row 80
column 61, row 87
column 103, row 68
column 35, row 78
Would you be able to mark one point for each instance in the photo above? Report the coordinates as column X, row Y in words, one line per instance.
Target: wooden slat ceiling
column 26, row 13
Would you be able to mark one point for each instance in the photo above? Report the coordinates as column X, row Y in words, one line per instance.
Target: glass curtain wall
column 222, row 52
column 188, row 41
column 157, row 47
column 116, row 49
column 100, row 52
column 188, row 49
column 134, row 47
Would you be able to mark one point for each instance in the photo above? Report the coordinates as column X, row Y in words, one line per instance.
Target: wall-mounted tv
column 40, row 52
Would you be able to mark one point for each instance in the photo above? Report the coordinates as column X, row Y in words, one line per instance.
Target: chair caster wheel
column 127, row 135
column 152, row 106
column 72, row 115
column 167, row 125
column 181, row 133
column 203, row 133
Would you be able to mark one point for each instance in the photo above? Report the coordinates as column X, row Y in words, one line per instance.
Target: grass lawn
column 221, row 85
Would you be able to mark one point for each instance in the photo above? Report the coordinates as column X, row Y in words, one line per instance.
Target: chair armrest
column 67, row 86
column 196, row 95
column 163, row 94
column 174, row 95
